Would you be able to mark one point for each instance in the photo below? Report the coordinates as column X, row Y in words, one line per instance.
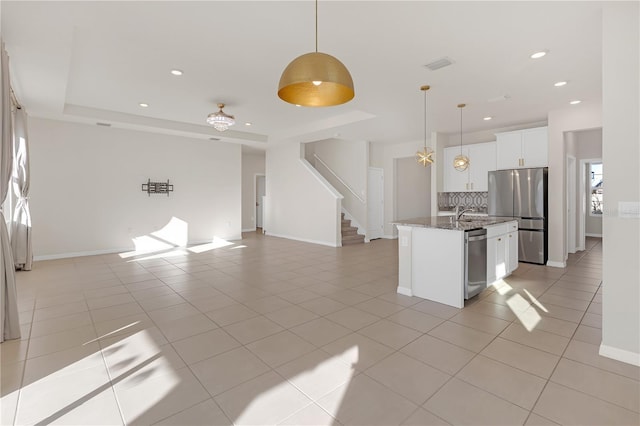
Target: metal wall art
column 157, row 187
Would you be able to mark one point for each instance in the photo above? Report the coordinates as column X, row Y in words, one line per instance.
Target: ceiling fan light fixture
column 316, row 79
column 220, row 120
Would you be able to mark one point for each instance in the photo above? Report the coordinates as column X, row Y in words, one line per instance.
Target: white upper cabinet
column 482, row 160
column 522, row 149
column 454, row 181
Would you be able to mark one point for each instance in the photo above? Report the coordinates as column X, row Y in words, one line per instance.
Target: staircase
column 350, row 233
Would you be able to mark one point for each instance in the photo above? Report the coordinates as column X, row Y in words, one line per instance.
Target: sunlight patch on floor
column 215, row 244
column 529, row 318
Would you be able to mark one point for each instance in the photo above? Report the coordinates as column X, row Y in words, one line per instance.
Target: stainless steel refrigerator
column 523, row 194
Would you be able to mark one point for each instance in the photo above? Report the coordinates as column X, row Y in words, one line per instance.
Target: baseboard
column 581, row 248
column 404, row 291
column 593, row 235
column 557, row 264
column 304, row 240
column 621, row 355
column 250, row 230
column 121, row 250
column 79, row 254
column 390, row 237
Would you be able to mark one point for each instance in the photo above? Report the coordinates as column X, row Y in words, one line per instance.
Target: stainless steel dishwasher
column 475, row 262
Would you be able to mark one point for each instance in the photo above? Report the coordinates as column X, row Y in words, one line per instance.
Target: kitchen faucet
column 459, row 215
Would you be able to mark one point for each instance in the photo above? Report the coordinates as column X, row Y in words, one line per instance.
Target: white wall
column 412, row 189
column 405, row 150
column 620, row 156
column 300, row 204
column 350, row 161
column 587, row 115
column 86, row 194
column 252, row 164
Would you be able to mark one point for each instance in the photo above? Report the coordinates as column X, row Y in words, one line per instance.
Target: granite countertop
column 446, row 222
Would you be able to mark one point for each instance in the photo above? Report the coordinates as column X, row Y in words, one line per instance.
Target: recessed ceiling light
column 176, row 72
column 576, row 102
column 560, row 83
column 538, row 55
column 487, row 118
column 247, row 124
column 143, row 105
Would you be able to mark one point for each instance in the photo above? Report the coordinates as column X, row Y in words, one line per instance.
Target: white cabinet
column 482, row 160
column 522, row 148
column 502, row 250
column 454, row 181
column 512, row 246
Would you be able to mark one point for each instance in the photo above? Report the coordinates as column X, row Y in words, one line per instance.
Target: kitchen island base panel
column 437, row 265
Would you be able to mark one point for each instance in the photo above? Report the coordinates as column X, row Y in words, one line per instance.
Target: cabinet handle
column 499, row 239
column 510, row 235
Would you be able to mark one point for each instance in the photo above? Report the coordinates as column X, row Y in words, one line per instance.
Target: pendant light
column 461, row 162
column 316, row 79
column 220, row 120
column 425, row 157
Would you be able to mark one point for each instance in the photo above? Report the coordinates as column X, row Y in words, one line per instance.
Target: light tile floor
column 273, row 331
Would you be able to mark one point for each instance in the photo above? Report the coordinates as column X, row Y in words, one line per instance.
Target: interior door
column 260, row 192
column 375, row 203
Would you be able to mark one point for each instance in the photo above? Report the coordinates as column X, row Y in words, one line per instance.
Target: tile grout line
column 560, row 359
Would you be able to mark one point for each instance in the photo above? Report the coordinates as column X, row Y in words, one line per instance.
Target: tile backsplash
column 475, row 200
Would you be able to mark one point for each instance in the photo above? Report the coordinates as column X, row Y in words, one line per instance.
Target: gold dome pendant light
column 461, row 162
column 316, row 79
column 425, row 157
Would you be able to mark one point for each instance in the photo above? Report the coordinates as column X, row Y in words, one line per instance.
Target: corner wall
column 620, row 157
column 587, row 115
column 86, row 195
column 300, row 204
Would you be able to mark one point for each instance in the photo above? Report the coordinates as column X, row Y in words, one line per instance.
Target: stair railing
column 346, row 185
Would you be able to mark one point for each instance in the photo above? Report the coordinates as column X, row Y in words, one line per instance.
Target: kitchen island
column 431, row 255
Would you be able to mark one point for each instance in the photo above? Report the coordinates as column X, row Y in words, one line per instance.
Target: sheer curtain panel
column 9, row 321
column 21, row 224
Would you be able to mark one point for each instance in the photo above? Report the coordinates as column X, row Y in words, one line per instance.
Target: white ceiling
column 96, row 61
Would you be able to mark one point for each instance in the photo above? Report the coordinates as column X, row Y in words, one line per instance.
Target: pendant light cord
column 425, row 119
column 460, row 130
column 316, row 26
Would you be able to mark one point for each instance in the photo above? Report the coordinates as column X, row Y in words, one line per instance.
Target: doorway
column 375, row 203
column 260, row 193
column 571, row 204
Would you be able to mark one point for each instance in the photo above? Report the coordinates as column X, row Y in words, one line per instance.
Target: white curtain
column 21, row 221
column 9, row 321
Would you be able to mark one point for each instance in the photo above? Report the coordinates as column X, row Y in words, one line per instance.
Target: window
column 597, row 186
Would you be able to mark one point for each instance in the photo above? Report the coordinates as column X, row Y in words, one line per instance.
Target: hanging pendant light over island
column 461, row 162
column 425, row 157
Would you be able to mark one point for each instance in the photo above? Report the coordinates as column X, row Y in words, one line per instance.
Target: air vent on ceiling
column 439, row 63
column 499, row 98
column 103, row 124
